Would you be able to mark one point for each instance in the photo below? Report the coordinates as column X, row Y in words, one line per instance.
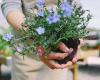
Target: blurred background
column 88, row 66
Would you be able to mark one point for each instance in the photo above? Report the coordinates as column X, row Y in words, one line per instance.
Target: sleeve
column 11, row 5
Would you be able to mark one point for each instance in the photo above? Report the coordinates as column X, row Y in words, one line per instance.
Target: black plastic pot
column 70, row 43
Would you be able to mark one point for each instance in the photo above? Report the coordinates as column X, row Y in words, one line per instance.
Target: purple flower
column 40, row 13
column 8, row 36
column 53, row 19
column 40, row 3
column 40, row 30
column 19, row 49
column 67, row 10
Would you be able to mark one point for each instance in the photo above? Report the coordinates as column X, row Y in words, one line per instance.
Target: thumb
column 40, row 51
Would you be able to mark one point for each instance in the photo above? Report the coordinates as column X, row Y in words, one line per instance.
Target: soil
column 70, row 43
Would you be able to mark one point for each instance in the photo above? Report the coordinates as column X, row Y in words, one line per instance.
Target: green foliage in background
column 5, row 49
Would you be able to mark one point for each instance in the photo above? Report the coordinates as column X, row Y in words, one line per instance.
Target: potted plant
column 47, row 26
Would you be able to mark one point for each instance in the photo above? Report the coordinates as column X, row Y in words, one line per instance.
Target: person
column 30, row 68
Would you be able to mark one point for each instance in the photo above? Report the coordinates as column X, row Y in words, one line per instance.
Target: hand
column 76, row 57
column 49, row 59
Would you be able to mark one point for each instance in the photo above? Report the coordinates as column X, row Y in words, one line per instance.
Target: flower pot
column 70, row 43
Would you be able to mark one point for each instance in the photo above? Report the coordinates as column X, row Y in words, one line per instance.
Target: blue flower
column 40, row 13
column 8, row 37
column 53, row 18
column 40, row 3
column 19, row 47
column 67, row 10
column 40, row 30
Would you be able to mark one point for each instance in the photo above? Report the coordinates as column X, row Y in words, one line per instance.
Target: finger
column 69, row 63
column 81, row 43
column 47, row 62
column 54, row 65
column 40, row 50
column 50, row 63
column 63, row 47
column 57, row 55
column 75, row 59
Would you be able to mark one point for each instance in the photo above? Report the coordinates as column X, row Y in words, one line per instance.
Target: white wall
column 94, row 7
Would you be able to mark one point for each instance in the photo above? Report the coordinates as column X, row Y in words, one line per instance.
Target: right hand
column 49, row 59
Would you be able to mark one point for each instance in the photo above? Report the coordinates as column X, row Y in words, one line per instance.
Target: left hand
column 76, row 57
column 48, row 60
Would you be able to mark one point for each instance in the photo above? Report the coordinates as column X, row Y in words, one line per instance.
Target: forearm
column 16, row 20
column 12, row 10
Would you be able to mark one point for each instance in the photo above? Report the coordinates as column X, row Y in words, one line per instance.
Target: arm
column 16, row 20
column 12, row 10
